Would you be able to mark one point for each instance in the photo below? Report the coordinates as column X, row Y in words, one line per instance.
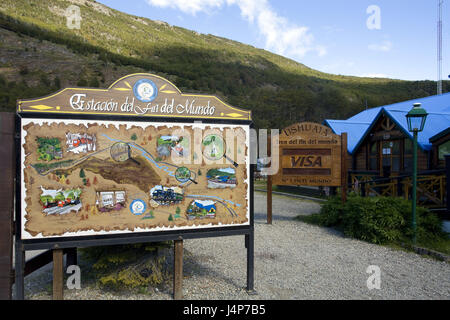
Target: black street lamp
column 416, row 121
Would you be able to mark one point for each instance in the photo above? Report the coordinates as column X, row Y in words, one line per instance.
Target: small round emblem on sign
column 138, row 207
column 145, row 90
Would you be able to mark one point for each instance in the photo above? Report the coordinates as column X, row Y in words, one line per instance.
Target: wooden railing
column 431, row 186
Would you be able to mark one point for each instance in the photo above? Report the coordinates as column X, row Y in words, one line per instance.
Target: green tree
column 44, row 80
column 94, row 83
column 57, row 83
column 82, row 83
column 177, row 212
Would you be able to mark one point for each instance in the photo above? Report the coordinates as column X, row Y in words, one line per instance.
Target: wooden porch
column 431, row 186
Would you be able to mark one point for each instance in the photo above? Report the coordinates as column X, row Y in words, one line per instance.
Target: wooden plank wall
column 7, row 174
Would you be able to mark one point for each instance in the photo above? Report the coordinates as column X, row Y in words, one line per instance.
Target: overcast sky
column 386, row 38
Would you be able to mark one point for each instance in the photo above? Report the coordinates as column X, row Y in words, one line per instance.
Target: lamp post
column 416, row 121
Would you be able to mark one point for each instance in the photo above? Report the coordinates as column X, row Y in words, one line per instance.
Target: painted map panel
column 83, row 177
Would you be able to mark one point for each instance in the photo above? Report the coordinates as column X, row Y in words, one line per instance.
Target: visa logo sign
column 306, row 161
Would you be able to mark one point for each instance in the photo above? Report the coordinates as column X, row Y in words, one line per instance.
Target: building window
column 390, row 152
column 444, row 149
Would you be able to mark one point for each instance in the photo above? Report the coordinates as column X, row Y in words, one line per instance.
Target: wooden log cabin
column 380, row 150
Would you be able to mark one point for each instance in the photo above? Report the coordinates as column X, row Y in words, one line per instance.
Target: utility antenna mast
column 439, row 53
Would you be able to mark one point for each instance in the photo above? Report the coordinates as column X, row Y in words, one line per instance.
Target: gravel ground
column 293, row 260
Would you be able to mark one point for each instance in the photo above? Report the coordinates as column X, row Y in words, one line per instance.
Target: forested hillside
column 39, row 54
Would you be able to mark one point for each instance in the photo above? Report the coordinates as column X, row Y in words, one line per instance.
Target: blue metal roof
column 339, row 126
column 440, row 135
column 358, row 126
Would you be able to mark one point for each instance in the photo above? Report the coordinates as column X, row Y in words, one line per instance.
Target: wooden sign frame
column 310, row 154
column 145, row 100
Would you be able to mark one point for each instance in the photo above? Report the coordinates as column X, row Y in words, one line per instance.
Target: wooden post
column 178, row 270
column 269, row 199
column 58, row 274
column 7, row 169
column 344, row 182
column 269, row 184
column 249, row 244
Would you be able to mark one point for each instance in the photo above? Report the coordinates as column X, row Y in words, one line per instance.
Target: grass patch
column 311, row 219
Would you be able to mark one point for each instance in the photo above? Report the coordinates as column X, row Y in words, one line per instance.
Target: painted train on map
column 166, row 195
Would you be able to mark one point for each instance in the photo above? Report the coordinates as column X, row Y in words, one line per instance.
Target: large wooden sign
column 89, row 169
column 137, row 162
column 310, row 155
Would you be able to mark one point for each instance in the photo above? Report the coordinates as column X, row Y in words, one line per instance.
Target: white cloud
column 385, row 46
column 281, row 36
